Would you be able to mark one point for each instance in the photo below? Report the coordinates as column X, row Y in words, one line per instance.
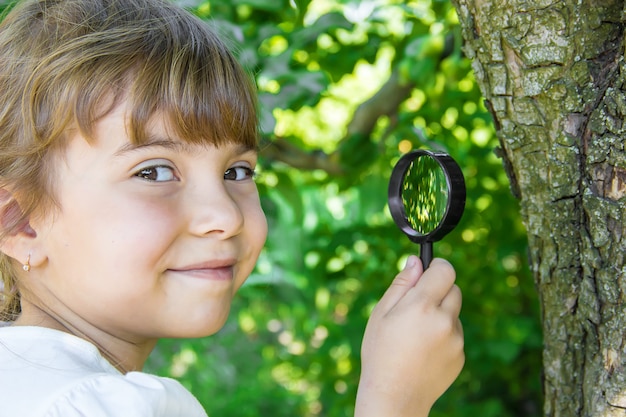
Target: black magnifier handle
column 426, row 254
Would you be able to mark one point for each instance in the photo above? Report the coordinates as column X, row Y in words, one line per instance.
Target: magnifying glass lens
column 424, row 194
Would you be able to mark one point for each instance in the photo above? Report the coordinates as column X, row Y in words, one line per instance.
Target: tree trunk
column 554, row 77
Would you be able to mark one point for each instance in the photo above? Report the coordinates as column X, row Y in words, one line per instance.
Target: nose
column 215, row 211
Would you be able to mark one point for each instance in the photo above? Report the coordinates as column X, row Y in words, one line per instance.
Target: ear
column 19, row 237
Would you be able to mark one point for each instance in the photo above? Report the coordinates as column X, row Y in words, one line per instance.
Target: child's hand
column 413, row 345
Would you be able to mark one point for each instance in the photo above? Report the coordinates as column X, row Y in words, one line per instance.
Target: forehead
column 211, row 122
column 121, row 113
column 159, row 131
column 160, row 134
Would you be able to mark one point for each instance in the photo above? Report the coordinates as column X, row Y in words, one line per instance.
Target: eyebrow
column 175, row 145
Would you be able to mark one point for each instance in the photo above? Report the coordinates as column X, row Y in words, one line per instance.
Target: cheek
column 141, row 228
column 256, row 222
column 253, row 237
column 126, row 231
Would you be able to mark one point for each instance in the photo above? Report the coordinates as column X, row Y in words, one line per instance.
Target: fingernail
column 411, row 262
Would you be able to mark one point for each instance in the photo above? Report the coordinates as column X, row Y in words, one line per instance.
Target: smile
column 220, row 271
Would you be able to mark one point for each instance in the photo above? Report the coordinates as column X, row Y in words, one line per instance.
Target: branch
column 281, row 150
column 384, row 103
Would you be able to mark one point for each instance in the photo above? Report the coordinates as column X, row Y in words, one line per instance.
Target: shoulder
column 137, row 394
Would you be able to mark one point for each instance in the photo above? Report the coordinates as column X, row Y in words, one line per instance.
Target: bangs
column 201, row 90
column 176, row 68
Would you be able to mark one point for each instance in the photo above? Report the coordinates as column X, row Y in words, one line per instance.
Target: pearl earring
column 26, row 266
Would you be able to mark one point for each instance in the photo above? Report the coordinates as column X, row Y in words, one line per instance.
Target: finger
column 460, row 340
column 436, row 281
column 453, row 301
column 402, row 283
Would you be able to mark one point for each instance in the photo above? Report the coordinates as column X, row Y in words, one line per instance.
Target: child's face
column 149, row 241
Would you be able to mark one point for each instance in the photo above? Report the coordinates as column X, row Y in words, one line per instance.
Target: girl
column 128, row 213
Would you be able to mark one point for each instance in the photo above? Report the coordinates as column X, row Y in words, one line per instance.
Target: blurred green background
column 291, row 345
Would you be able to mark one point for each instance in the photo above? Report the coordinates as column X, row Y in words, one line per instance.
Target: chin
column 201, row 328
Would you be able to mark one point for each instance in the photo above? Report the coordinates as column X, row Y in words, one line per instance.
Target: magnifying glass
column 426, row 197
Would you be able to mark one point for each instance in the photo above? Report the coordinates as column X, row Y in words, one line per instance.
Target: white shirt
column 48, row 373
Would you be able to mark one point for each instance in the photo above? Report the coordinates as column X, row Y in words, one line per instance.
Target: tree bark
column 554, row 78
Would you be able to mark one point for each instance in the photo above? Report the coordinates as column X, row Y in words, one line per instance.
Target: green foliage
column 291, row 345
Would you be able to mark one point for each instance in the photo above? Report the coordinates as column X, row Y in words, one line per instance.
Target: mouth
column 215, row 270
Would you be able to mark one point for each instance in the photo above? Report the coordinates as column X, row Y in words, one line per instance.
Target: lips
column 219, row 270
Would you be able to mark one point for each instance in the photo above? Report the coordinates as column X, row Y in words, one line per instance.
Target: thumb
column 402, row 283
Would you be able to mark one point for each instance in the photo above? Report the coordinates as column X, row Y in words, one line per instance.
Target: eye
column 239, row 174
column 159, row 173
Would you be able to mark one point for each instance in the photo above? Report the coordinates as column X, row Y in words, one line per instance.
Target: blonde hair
column 66, row 63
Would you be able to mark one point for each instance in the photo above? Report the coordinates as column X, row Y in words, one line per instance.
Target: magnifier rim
column 455, row 205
